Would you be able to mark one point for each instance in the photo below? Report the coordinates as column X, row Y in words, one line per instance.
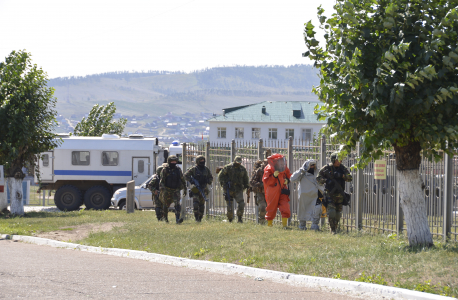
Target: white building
column 269, row 120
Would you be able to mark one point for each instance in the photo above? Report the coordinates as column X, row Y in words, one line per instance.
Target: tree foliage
column 27, row 114
column 100, row 121
column 388, row 75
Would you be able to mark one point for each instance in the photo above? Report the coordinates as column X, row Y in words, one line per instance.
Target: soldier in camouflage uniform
column 153, row 186
column 236, row 176
column 257, row 186
column 170, row 185
column 329, row 175
column 204, row 177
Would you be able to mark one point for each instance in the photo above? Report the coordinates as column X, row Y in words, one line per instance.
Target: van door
column 140, row 169
column 46, row 166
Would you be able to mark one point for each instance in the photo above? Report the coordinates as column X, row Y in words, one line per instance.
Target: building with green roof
column 269, row 120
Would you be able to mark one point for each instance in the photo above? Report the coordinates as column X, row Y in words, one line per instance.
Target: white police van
column 88, row 170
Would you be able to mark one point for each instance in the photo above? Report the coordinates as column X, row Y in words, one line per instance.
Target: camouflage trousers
column 167, row 197
column 237, row 197
column 262, row 204
column 198, row 205
column 334, row 211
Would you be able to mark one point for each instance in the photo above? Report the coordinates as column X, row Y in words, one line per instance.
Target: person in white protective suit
column 309, row 209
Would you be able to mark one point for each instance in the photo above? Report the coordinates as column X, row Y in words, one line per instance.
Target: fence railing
column 375, row 204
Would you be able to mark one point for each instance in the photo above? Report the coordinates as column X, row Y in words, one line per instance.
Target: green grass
column 382, row 259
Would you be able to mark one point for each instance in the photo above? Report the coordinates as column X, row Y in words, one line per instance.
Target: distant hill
column 158, row 92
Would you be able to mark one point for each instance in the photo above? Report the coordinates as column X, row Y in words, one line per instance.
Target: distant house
column 269, row 120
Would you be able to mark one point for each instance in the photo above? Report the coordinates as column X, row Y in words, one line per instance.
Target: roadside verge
column 357, row 288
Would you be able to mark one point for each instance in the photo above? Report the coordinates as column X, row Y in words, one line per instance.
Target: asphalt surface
column 29, row 271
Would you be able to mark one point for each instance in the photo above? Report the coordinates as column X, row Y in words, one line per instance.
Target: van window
column 109, row 158
column 80, row 158
column 141, row 166
column 45, row 158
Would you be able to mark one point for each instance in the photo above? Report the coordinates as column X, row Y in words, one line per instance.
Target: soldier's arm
column 188, row 174
column 209, row 177
column 163, row 175
column 322, row 175
column 183, row 183
column 222, row 177
column 347, row 175
column 246, row 180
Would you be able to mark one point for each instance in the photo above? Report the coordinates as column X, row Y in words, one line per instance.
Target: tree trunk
column 414, row 208
column 15, row 190
column 413, row 204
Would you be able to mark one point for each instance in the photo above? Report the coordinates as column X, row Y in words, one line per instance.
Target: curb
column 337, row 285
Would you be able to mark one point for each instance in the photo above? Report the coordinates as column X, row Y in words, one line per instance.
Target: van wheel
column 68, row 198
column 97, row 197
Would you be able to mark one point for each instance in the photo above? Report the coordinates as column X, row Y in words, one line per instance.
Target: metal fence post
column 44, row 199
column 359, row 194
column 290, row 165
column 207, row 160
column 233, row 150
column 448, row 196
column 184, row 165
column 130, row 196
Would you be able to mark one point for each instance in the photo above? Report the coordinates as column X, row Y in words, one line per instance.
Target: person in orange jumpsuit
column 276, row 178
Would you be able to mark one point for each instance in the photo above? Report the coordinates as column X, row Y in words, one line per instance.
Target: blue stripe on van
column 92, row 173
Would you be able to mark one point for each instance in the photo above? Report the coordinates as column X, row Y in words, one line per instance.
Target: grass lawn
column 382, row 259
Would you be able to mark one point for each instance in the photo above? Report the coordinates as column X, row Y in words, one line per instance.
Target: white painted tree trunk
column 15, row 189
column 414, row 208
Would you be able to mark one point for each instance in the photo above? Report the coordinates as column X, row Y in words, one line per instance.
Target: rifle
column 248, row 192
column 201, row 191
column 228, row 195
column 346, row 196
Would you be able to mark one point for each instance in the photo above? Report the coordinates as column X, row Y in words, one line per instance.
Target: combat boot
column 196, row 215
column 178, row 219
column 239, row 219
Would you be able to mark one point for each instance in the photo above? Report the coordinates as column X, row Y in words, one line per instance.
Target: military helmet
column 267, row 153
column 172, row 157
column 238, row 159
column 334, row 156
column 199, row 158
column 257, row 164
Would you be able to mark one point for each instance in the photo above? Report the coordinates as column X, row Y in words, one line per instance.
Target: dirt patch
column 75, row 233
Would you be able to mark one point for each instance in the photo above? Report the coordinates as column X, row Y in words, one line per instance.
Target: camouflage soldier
column 204, row 177
column 257, row 186
column 153, row 186
column 170, row 184
column 330, row 175
column 235, row 178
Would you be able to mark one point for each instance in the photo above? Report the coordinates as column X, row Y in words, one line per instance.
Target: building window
column 307, row 134
column 221, row 132
column 239, row 132
column 81, row 158
column 272, row 133
column 109, row 158
column 289, row 133
column 45, row 159
column 255, row 133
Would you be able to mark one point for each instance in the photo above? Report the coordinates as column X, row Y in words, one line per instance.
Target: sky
column 77, row 38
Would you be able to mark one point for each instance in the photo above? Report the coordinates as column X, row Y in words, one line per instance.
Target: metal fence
column 375, row 204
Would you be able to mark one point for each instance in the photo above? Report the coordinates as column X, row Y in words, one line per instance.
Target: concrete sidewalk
column 157, row 276
column 36, row 272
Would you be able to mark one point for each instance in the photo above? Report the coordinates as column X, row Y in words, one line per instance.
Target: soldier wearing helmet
column 234, row 179
column 257, row 186
column 332, row 176
column 202, row 175
column 170, row 184
column 153, row 186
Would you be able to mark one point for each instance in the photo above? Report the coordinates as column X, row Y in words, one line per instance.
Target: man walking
column 153, row 186
column 334, row 176
column 199, row 176
column 171, row 183
column 234, row 179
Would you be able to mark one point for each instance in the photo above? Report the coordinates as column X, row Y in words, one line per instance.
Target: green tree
column 388, row 77
column 100, row 121
column 27, row 117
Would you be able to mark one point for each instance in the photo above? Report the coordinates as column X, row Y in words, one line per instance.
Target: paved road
column 42, row 272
